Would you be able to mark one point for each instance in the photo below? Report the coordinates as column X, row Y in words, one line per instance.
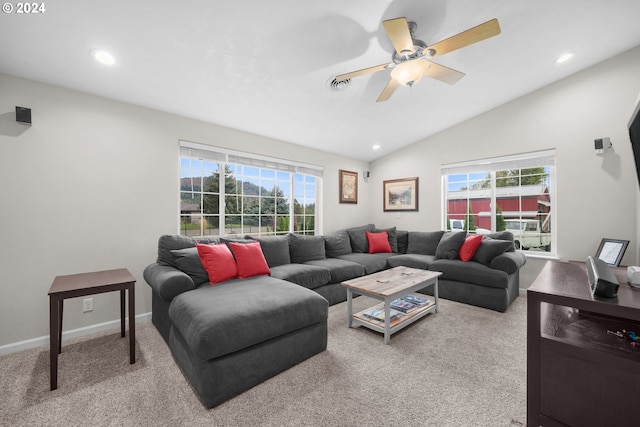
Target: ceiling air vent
column 339, row 85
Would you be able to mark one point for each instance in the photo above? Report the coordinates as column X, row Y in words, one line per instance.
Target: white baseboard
column 86, row 330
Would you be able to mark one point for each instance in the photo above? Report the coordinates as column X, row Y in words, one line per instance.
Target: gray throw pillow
column 423, row 242
column 228, row 239
column 391, row 235
column 275, row 249
column 450, row 244
column 403, row 241
column 305, row 248
column 188, row 261
column 503, row 235
column 337, row 244
column 358, row 238
column 489, row 249
column 170, row 242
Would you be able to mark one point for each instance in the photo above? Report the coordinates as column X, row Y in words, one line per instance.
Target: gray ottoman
column 229, row 337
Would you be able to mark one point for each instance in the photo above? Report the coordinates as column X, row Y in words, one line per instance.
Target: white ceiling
column 264, row 66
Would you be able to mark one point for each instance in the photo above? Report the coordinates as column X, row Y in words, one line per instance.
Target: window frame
column 544, row 158
column 311, row 176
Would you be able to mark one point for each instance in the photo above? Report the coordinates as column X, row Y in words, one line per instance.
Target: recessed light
column 376, row 147
column 564, row 57
column 103, row 57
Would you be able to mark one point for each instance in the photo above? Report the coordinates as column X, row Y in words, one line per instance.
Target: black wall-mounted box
column 23, row 115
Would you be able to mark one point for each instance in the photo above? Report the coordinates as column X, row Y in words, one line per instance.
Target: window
column 225, row 192
column 514, row 193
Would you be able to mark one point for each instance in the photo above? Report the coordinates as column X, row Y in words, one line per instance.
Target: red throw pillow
column 250, row 259
column 378, row 242
column 218, row 262
column 469, row 247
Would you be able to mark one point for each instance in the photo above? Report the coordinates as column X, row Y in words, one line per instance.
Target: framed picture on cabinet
column 611, row 251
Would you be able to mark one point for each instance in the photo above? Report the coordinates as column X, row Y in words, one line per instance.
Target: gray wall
column 597, row 196
column 93, row 184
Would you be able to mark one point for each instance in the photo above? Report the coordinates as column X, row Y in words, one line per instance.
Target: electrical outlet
column 87, row 305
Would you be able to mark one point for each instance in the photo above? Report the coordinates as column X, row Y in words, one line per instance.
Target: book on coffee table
column 416, row 300
column 402, row 305
column 378, row 314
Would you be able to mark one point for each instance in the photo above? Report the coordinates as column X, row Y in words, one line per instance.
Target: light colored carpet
column 464, row 366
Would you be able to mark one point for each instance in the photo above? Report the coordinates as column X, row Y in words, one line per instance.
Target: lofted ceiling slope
column 265, row 66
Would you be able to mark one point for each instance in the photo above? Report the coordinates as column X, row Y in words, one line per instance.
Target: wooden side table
column 77, row 285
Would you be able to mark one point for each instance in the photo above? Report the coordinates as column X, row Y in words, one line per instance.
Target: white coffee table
column 387, row 286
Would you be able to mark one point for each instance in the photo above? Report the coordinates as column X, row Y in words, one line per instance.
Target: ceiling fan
column 411, row 59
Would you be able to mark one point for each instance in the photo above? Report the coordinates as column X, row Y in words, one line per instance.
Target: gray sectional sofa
column 233, row 335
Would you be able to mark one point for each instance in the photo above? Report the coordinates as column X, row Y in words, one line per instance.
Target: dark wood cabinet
column 578, row 374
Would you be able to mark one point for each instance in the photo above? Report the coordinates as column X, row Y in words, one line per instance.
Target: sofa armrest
column 509, row 262
column 167, row 282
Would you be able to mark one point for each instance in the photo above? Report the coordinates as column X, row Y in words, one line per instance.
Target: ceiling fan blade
column 473, row 35
column 398, row 32
column 388, row 90
column 369, row 70
column 442, row 73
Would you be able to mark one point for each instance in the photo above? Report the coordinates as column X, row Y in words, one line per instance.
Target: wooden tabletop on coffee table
column 388, row 282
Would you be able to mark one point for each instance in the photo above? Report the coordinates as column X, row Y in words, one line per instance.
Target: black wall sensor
column 23, row 115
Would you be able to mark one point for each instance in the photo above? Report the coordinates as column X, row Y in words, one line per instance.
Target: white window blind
column 206, row 152
column 517, row 161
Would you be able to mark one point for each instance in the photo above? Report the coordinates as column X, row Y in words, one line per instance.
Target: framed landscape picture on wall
column 348, row 182
column 400, row 194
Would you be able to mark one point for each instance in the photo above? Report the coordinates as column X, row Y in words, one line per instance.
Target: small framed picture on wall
column 400, row 194
column 348, row 182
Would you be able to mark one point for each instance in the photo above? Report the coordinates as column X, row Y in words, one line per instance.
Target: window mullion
column 222, row 186
column 291, row 202
column 494, row 203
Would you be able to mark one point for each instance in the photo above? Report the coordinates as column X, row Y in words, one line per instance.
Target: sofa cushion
column 392, row 235
column 275, row 249
column 170, row 242
column 337, row 244
column 378, row 242
column 469, row 247
column 188, row 261
column 450, row 244
column 249, row 259
column 305, row 248
column 470, row 272
column 223, row 319
column 307, row 275
column 411, row 260
column 371, row 262
column 509, row 262
column 218, row 261
column 402, row 236
column 358, row 238
column 236, row 239
column 423, row 242
column 503, row 235
column 339, row 269
column 489, row 249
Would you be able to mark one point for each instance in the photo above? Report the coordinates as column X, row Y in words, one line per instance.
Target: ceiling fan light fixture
column 410, row 72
